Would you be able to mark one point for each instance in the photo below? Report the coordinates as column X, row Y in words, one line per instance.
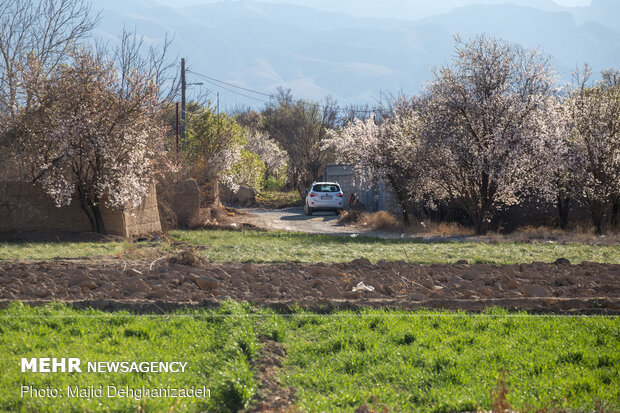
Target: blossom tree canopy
column 79, row 134
column 594, row 144
column 392, row 151
column 487, row 117
column 44, row 29
column 274, row 157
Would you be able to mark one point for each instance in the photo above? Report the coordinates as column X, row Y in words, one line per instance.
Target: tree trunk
column 597, row 221
column 406, row 219
column 563, row 203
column 98, row 218
column 89, row 214
column 93, row 213
column 210, row 193
column 480, row 226
column 401, row 198
column 478, row 217
column 597, row 211
column 615, row 214
column 481, row 206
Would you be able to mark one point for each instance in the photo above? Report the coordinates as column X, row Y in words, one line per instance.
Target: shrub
column 275, row 183
column 249, row 170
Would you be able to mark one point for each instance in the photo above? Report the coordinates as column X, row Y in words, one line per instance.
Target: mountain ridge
column 263, row 45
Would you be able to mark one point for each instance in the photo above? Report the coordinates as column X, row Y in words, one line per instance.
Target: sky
column 182, row 3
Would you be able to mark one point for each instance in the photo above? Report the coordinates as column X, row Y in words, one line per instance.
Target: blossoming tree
column 274, row 157
column 81, row 134
column 392, row 151
column 594, row 116
column 486, row 116
column 213, row 147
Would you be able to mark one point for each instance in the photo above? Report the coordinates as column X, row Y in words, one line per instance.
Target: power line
column 233, row 91
column 214, row 80
column 208, row 78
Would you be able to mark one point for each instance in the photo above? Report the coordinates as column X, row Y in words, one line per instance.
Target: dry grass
column 380, row 221
column 349, row 217
column 384, row 221
column 440, row 229
column 578, row 234
column 185, row 256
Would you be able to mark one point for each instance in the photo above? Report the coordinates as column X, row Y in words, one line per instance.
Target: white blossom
column 81, row 137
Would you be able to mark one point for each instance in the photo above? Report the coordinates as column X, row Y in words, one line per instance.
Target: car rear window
column 326, row 188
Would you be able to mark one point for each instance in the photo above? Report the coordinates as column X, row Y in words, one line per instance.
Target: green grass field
column 217, row 345
column 270, row 247
column 442, row 362
column 50, row 250
column 421, row 361
column 296, row 247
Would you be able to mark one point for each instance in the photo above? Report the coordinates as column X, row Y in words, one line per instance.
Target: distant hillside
column 317, row 53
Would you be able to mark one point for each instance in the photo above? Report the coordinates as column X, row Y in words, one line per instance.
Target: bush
column 274, row 183
column 249, row 170
column 349, row 217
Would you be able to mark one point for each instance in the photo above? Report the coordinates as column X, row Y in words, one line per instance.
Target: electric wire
column 234, row 91
column 219, row 83
column 205, row 77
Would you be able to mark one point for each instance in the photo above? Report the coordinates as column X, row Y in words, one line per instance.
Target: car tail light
column 312, row 194
column 339, row 195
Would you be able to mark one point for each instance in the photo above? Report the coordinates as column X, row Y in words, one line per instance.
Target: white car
column 324, row 196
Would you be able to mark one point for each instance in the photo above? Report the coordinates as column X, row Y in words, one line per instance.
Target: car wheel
column 307, row 210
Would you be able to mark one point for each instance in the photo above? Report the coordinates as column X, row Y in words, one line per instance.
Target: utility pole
column 219, row 122
column 177, row 157
column 183, row 86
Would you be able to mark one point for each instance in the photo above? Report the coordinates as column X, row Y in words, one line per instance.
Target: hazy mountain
column 263, row 45
column 606, row 12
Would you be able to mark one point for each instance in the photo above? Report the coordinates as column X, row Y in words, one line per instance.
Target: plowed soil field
column 142, row 285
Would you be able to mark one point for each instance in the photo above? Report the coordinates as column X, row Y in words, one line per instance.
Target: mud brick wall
column 143, row 219
column 244, row 197
column 25, row 207
column 179, row 202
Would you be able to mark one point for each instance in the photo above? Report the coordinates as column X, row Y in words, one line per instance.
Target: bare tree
column 300, row 127
column 132, row 55
column 45, row 30
column 351, row 112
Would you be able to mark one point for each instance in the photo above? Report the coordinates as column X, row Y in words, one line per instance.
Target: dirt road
column 294, row 219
